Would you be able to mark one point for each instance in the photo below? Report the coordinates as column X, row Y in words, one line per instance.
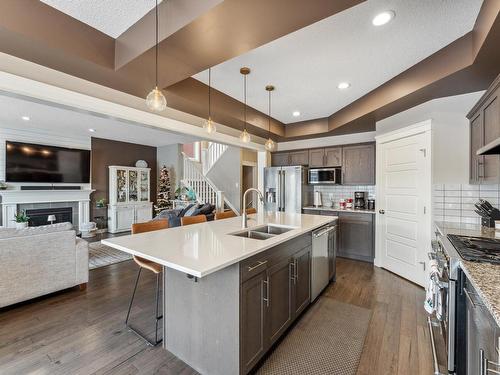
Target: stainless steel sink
column 263, row 232
column 253, row 234
column 272, row 229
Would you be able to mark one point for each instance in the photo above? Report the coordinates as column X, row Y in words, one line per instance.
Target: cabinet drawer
column 260, row 262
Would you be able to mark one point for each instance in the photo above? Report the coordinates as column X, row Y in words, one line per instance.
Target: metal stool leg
column 133, row 294
column 157, row 316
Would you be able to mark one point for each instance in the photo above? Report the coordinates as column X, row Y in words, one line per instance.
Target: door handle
column 292, row 272
column 266, row 283
column 423, row 264
column 381, row 212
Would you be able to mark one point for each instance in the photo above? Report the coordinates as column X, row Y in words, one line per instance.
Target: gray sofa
column 39, row 260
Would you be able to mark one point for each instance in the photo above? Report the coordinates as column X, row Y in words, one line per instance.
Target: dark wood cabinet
column 333, row 157
column 275, row 289
column 484, row 119
column 316, row 158
column 253, row 321
column 299, row 157
column 325, row 157
column 358, row 164
column 357, row 240
column 301, row 278
column 279, row 313
column 280, row 159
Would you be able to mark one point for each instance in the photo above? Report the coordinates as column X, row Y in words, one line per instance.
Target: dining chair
column 188, row 220
column 224, row 215
column 251, row 210
column 153, row 267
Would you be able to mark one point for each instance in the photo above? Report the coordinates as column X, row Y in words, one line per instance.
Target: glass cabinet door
column 132, row 186
column 144, row 186
column 121, row 185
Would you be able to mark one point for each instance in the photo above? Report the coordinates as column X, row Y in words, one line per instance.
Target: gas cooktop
column 477, row 249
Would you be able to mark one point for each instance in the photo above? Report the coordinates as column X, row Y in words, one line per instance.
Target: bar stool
column 188, row 220
column 153, row 267
column 224, row 215
column 251, row 210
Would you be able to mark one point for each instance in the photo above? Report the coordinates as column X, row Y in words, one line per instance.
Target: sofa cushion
column 31, row 231
column 193, row 210
column 207, row 209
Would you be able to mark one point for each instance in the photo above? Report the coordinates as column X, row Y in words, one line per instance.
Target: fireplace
column 39, row 216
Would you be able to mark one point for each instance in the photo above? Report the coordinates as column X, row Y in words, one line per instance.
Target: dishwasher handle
column 322, row 231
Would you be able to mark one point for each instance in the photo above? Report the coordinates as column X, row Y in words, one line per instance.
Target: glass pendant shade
column 244, row 136
column 269, row 145
column 209, row 126
column 156, row 101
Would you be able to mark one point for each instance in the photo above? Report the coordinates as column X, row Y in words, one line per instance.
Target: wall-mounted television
column 27, row 162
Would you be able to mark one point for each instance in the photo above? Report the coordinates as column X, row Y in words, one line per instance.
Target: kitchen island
column 228, row 298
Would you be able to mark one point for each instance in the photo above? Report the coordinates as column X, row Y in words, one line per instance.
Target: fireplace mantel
column 11, row 198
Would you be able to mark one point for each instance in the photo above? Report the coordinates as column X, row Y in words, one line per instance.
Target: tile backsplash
column 337, row 192
column 455, row 202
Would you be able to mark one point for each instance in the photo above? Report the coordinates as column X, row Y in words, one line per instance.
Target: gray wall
column 226, row 175
column 170, row 156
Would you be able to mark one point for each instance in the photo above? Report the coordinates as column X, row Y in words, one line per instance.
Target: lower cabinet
column 357, row 236
column 271, row 299
column 121, row 217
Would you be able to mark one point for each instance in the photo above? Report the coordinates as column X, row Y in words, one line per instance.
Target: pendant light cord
column 209, row 91
column 269, row 117
column 156, row 48
column 245, row 99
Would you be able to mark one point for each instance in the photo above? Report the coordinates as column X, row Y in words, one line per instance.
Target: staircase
column 210, row 156
column 206, row 191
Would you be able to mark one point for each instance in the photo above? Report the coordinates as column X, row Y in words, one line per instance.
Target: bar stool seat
column 152, row 266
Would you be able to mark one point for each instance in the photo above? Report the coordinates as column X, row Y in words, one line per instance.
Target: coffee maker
column 359, row 199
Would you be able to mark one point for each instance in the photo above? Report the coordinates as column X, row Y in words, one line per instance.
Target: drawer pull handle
column 259, row 263
column 266, row 298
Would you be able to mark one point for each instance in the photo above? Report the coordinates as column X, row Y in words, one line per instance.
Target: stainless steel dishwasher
column 320, row 269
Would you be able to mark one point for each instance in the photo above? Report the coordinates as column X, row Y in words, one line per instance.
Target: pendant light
column 209, row 125
column 269, row 145
column 156, row 100
column 244, row 136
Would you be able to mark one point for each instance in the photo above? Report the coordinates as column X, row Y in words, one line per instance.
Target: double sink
column 263, row 232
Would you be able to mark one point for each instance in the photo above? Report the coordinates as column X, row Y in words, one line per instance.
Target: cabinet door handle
column 484, row 364
column 259, row 263
column 292, row 272
column 296, row 270
column 266, row 298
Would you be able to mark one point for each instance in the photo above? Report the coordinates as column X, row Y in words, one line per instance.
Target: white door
column 403, row 200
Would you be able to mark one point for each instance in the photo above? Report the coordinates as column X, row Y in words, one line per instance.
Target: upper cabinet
column 359, row 165
column 485, row 128
column 357, row 161
column 325, row 157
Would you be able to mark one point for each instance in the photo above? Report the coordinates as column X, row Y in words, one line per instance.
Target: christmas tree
column 163, row 201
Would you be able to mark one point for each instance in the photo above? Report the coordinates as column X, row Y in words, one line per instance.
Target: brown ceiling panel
column 191, row 95
column 49, row 27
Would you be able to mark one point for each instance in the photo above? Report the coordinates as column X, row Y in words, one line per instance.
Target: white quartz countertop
column 201, row 249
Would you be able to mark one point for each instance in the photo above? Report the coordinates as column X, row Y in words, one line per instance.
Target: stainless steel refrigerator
column 286, row 189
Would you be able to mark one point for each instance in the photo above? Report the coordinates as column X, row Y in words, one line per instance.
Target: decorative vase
column 141, row 164
column 22, row 225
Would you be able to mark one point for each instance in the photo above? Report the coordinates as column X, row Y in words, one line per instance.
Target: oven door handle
column 433, row 347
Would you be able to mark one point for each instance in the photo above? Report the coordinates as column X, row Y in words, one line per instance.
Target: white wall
column 450, row 134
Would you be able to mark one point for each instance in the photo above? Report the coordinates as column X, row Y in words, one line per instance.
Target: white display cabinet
column 129, row 190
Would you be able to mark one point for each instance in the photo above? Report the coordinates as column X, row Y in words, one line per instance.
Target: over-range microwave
column 325, row 175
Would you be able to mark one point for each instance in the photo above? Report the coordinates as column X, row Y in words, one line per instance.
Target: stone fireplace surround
column 16, row 199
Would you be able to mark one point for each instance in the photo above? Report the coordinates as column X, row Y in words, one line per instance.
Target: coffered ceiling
column 307, row 65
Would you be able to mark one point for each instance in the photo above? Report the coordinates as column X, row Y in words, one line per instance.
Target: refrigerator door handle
column 278, row 193
column 283, row 185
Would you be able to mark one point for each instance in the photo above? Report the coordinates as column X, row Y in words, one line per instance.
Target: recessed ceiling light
column 383, row 18
column 26, row 118
column 92, row 130
column 343, row 85
column 296, row 114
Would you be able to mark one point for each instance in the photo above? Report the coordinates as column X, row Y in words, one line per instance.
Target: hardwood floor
column 83, row 332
